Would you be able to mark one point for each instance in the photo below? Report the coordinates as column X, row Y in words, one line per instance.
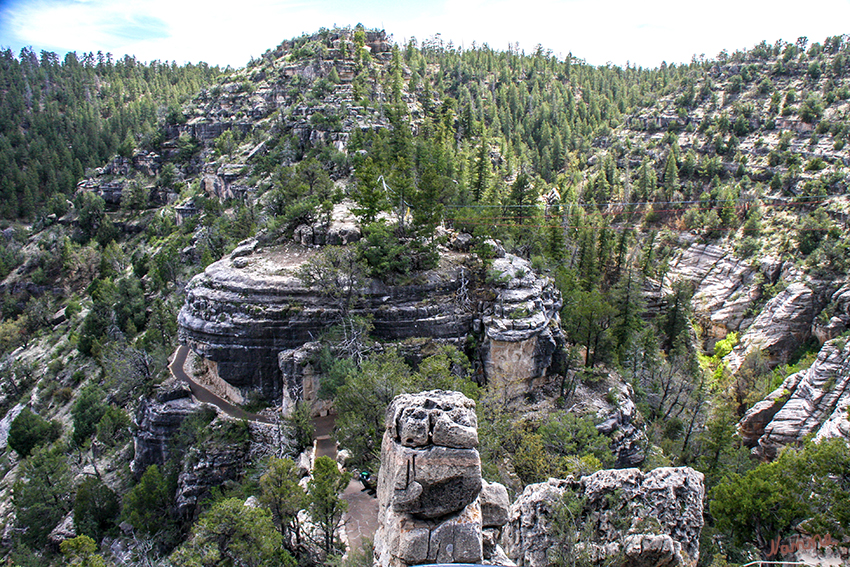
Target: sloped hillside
column 617, row 264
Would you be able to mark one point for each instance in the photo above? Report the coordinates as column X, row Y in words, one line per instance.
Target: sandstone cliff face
column 431, row 505
column 652, row 518
column 245, row 310
column 810, row 401
column 783, row 325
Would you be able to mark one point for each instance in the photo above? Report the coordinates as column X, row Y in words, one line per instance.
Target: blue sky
column 600, row 31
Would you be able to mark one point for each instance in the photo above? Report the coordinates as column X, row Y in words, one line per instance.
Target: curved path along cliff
column 361, row 520
column 204, row 395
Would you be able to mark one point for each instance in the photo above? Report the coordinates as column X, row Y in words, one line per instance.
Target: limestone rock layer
column 246, row 309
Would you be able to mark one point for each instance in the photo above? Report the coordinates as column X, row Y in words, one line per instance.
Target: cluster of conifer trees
column 59, row 118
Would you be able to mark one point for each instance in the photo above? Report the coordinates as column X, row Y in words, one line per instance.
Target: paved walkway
column 361, row 520
column 204, row 395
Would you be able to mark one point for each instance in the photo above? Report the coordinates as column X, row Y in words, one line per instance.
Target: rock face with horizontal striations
column 431, row 507
column 783, row 325
column 246, row 309
column 652, row 518
column 242, row 312
column 814, row 400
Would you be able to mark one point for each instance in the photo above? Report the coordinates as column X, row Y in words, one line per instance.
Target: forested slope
column 59, row 118
column 682, row 212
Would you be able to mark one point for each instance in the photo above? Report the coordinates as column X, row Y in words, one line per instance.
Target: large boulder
column 430, row 465
column 652, row 518
column 431, row 506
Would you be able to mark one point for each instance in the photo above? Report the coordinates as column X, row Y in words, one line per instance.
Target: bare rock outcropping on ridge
column 814, row 400
column 652, row 518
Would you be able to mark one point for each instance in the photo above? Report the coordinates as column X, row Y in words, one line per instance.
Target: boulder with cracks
column 638, row 518
column 432, row 503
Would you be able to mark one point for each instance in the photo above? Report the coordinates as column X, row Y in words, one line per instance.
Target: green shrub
column 114, row 427
column 87, row 412
column 390, row 257
column 147, row 507
column 95, row 508
column 28, row 431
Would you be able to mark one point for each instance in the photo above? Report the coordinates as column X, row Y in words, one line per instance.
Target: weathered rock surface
column 243, row 311
column 494, row 504
column 724, row 285
column 219, row 460
column 6, row 423
column 655, row 518
column 430, row 465
column 226, row 446
column 431, row 507
column 527, row 536
column 157, row 420
column 63, row 531
column 627, row 440
column 301, row 381
column 240, row 313
column 782, row 326
column 522, row 328
column 834, row 320
column 814, row 400
column 343, row 229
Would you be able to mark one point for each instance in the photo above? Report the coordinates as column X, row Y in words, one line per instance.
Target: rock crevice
column 433, row 506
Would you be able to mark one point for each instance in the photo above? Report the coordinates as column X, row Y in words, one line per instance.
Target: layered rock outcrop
column 652, row 518
column 242, row 312
column 835, row 319
column 224, row 447
column 783, row 325
column 157, row 420
column 814, row 400
column 245, row 310
column 627, row 439
column 522, row 328
column 724, row 286
column 431, row 506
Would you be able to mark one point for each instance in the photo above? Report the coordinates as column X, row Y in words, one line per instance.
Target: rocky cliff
column 810, row 401
column 432, row 503
column 646, row 519
column 222, row 446
column 158, row 420
column 784, row 324
column 247, row 308
column 725, row 286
